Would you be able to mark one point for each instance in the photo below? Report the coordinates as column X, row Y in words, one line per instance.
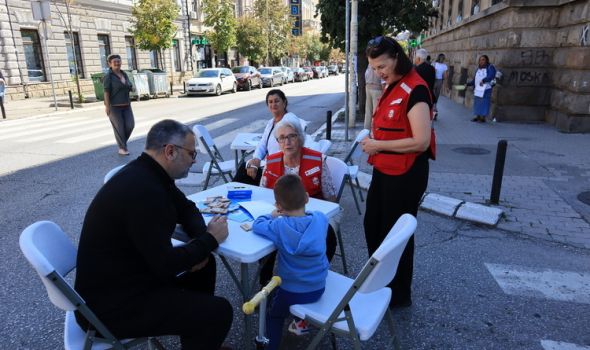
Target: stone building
column 100, row 27
column 542, row 47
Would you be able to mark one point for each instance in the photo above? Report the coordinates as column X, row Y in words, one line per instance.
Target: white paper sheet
column 257, row 208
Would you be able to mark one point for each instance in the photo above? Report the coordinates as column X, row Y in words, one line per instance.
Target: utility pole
column 347, row 71
column 189, row 38
column 353, row 54
column 42, row 12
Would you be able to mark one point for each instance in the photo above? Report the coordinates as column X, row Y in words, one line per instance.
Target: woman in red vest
column 293, row 158
column 401, row 142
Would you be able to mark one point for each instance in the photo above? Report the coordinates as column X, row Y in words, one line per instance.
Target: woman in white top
column 441, row 73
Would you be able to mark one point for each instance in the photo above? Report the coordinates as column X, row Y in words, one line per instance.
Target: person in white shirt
column 374, row 89
column 441, row 74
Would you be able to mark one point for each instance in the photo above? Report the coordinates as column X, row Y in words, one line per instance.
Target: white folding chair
column 216, row 165
column 53, row 256
column 353, row 156
column 339, row 173
column 112, row 173
column 357, row 307
column 324, row 146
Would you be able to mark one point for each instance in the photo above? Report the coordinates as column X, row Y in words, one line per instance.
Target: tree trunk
column 363, row 63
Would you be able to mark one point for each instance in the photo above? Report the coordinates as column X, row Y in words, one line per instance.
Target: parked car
column 212, row 81
column 324, row 70
column 247, row 77
column 333, row 69
column 310, row 73
column 271, row 76
column 320, row 72
column 299, row 74
column 288, row 75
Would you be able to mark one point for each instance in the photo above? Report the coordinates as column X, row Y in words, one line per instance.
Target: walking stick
column 260, row 298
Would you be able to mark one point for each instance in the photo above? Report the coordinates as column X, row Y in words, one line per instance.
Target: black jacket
column 427, row 73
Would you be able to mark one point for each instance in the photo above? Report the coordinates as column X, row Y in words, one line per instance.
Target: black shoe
column 476, row 119
column 482, row 119
column 400, row 303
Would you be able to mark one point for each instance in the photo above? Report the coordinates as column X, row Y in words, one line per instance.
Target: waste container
column 140, row 83
column 158, row 82
column 97, row 81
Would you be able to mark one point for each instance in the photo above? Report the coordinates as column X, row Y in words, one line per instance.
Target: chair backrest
column 355, row 150
column 112, row 173
column 388, row 254
column 49, row 250
column 338, row 171
column 324, row 145
column 202, row 134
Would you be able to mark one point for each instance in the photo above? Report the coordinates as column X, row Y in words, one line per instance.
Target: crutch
column 260, row 298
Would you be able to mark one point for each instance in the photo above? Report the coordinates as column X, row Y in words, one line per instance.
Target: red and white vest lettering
column 310, row 171
column 390, row 122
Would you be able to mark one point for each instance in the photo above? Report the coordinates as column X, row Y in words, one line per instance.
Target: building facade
column 99, row 28
column 542, row 48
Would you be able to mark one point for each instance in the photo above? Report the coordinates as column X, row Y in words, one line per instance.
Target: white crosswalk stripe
column 559, row 345
column 542, row 283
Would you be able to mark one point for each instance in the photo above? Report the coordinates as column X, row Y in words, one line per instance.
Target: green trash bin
column 97, row 81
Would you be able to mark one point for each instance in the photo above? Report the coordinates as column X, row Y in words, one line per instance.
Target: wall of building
column 542, row 47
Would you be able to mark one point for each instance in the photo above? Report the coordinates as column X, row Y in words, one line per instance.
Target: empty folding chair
column 53, row 256
column 357, row 307
column 353, row 156
column 216, row 165
column 324, row 146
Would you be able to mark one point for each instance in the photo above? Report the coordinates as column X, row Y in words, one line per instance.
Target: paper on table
column 257, row 208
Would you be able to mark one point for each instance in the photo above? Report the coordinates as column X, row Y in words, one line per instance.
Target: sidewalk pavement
column 545, row 172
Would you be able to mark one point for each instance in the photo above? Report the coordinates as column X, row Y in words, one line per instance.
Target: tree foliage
column 250, row 40
column 153, row 23
column 276, row 27
column 219, row 15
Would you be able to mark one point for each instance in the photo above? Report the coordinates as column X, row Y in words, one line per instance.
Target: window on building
column 131, row 53
column 154, row 61
column 494, row 2
column 104, row 50
column 74, row 63
column 33, row 55
column 450, row 12
column 441, row 15
column 475, row 7
column 459, row 11
column 176, row 55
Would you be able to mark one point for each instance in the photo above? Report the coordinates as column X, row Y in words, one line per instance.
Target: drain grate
column 584, row 197
column 471, row 150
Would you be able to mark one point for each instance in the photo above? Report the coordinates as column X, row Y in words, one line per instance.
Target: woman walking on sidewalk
column 2, row 91
column 117, row 103
column 401, row 142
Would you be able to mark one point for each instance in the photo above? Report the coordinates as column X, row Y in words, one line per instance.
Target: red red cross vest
column 390, row 122
column 310, row 171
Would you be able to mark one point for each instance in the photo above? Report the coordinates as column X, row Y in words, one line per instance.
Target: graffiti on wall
column 529, row 77
column 535, row 57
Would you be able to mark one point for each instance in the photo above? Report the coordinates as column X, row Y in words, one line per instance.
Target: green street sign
column 199, row 41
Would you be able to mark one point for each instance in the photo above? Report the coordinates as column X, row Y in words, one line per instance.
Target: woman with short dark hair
column 483, row 84
column 2, row 92
column 117, row 103
column 401, row 142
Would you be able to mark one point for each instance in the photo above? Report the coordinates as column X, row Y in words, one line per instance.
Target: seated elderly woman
column 293, row 158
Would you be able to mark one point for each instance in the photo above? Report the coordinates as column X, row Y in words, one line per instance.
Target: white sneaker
column 298, row 327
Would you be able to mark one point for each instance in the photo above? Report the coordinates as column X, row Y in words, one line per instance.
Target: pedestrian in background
column 373, row 89
column 402, row 140
column 117, row 102
column 2, row 92
column 442, row 74
column 482, row 91
column 425, row 70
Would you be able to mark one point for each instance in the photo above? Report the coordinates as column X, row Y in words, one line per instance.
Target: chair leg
column 352, row 328
column 318, row 337
column 333, row 340
column 342, row 256
column 207, row 178
column 358, row 184
column 393, row 333
column 356, row 202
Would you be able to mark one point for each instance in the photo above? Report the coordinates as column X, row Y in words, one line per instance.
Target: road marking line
column 560, row 345
column 542, row 283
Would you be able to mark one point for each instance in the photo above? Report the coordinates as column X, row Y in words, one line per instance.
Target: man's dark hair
column 386, row 45
column 165, row 132
column 112, row 57
column 279, row 93
column 289, row 192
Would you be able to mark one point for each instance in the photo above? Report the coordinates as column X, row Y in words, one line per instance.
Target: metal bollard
column 498, row 171
column 329, row 125
column 171, row 91
column 71, row 99
column 184, row 87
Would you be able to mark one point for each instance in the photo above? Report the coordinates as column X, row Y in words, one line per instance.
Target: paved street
column 475, row 287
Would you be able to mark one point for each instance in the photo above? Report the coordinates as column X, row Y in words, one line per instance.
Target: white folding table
column 244, row 142
column 247, row 247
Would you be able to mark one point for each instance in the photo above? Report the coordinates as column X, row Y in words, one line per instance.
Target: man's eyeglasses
column 191, row 153
column 291, row 137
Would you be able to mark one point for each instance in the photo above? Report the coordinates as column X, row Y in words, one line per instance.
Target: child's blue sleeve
column 263, row 227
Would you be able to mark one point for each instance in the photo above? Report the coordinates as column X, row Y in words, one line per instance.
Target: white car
column 212, row 81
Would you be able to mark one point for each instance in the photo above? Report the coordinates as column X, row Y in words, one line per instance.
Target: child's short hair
column 289, row 192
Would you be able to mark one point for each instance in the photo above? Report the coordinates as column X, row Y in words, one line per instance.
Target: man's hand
column 252, row 167
column 200, row 265
column 107, row 110
column 369, row 145
column 218, row 228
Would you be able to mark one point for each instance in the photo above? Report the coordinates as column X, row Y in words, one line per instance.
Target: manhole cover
column 584, row 197
column 471, row 150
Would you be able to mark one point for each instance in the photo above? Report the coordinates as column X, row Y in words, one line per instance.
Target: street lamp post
column 42, row 12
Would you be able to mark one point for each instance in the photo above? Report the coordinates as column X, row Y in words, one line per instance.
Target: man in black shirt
column 129, row 273
column 425, row 70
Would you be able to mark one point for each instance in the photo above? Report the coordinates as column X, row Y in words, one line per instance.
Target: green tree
column 250, row 40
column 219, row 15
column 153, row 24
column 276, row 27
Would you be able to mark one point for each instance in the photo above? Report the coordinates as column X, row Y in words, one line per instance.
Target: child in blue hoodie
column 300, row 239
